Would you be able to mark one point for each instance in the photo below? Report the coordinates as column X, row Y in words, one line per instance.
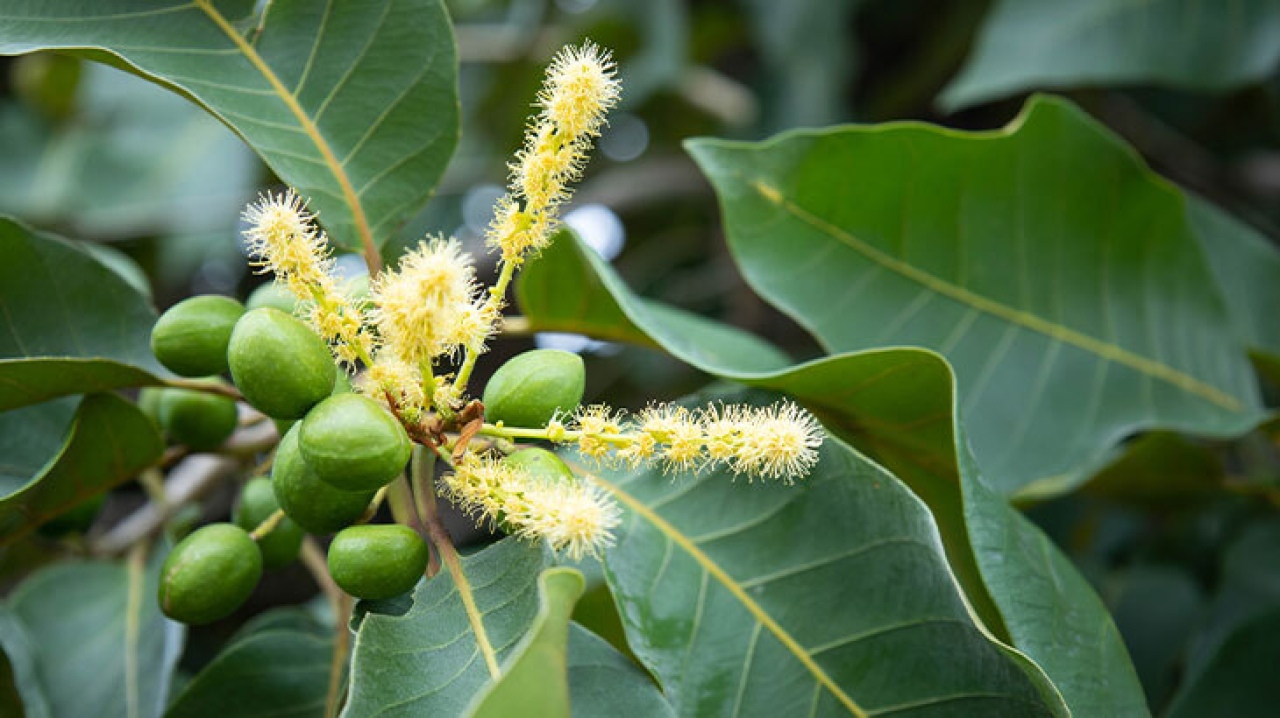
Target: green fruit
column 197, row 419
column 280, row 366
column 353, row 443
column 209, row 574
column 272, row 295
column 312, row 504
column 530, row 388
column 191, row 338
column 257, row 503
column 540, row 463
column 149, row 402
column 78, row 519
column 378, row 561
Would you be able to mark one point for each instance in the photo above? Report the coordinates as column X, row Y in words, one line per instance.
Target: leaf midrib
column 371, row 255
column 1053, row 330
column 757, row 612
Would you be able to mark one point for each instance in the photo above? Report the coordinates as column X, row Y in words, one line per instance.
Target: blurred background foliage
column 1181, row 538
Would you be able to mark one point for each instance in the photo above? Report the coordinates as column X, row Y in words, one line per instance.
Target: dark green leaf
column 95, row 638
column 1156, row 611
column 278, row 668
column 353, row 103
column 830, row 597
column 1240, row 679
column 1055, row 272
column 603, row 682
column 535, row 680
column 1246, row 265
column 1160, row 469
column 71, row 325
column 898, row 404
column 1040, row 44
column 109, row 441
column 429, row 661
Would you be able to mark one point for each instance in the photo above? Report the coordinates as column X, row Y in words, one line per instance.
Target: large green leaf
column 1239, row 680
column 353, row 103
column 70, row 324
column 48, row 466
column 94, row 640
column 603, row 682
column 898, row 404
column 536, row 680
column 1055, row 272
column 429, row 661
column 279, row 669
column 831, row 597
column 1034, row 44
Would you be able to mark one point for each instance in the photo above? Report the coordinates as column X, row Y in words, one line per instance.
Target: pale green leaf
column 535, row 681
column 603, row 682
column 1040, row 44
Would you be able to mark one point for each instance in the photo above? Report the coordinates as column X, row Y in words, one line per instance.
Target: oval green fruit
column 197, row 419
column 314, row 505
column 531, row 387
column 273, row 295
column 191, row 338
column 149, row 402
column 353, row 443
column 280, row 366
column 378, row 561
column 540, row 463
column 209, row 574
column 257, row 504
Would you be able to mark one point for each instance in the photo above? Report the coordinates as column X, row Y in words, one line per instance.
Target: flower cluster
column 778, row 442
column 282, row 238
column 573, row 516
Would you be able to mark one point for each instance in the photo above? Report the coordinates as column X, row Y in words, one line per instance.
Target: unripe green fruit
column 191, row 338
column 77, row 519
column 540, row 463
column 197, row 419
column 280, row 366
column 377, row 561
column 314, row 505
column 257, row 504
column 209, row 574
column 530, row 388
column 352, row 443
column 149, row 402
column 272, row 295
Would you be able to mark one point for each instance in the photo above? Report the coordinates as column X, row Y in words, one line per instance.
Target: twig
column 207, row 387
column 340, row 603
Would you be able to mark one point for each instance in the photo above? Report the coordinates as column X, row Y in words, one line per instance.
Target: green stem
column 268, row 525
column 561, row 435
column 497, row 293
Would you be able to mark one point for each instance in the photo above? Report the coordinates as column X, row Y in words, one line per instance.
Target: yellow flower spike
column 778, row 442
column 722, row 426
column 420, row 307
column 401, row 380
column 597, row 423
column 681, row 432
column 282, row 239
column 576, row 517
column 581, row 86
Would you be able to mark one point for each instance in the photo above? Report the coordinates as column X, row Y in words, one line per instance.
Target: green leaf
column 1055, row 272
column 1246, row 265
column 71, row 325
column 1162, row 470
column 535, row 681
column 279, row 669
column 133, row 160
column 603, row 682
column 95, row 639
column 1239, row 680
column 830, row 597
column 569, row 288
column 429, row 660
column 1040, row 44
column 49, row 468
column 899, row 405
column 353, row 103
